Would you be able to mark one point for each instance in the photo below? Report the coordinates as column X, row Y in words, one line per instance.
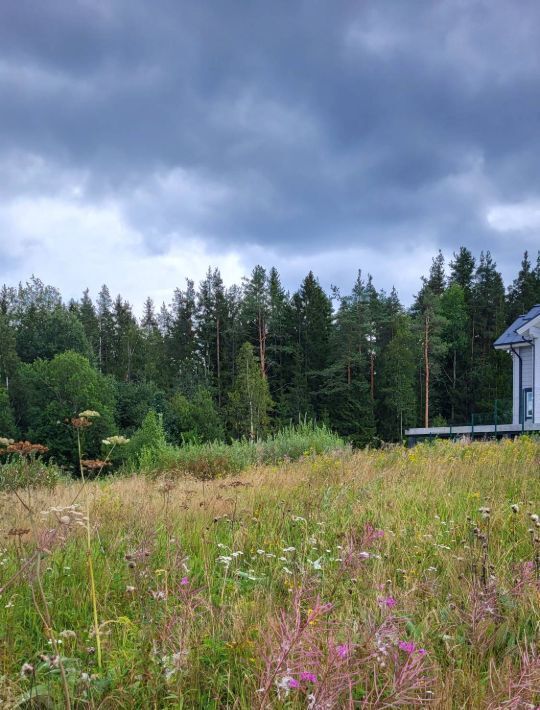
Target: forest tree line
column 222, row 363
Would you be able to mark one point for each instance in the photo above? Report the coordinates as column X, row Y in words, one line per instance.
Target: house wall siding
column 537, row 380
column 527, row 372
column 529, row 378
column 515, row 389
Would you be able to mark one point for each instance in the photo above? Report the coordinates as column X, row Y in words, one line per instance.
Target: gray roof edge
column 510, row 336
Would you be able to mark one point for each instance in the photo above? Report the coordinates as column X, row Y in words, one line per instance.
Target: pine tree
column 428, row 326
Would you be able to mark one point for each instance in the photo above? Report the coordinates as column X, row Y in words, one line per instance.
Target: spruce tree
column 525, row 290
column 490, row 368
column 256, row 312
column 106, row 331
column 453, row 383
column 126, row 342
column 277, row 337
column 87, row 315
column 180, row 338
column 153, row 360
column 212, row 325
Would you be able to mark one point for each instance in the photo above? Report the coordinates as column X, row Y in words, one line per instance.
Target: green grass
column 183, row 626
column 217, row 459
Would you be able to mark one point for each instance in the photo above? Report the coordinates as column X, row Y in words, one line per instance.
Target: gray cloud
column 279, row 130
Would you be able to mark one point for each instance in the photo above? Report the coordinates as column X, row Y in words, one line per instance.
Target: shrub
column 27, row 472
column 215, row 459
column 293, row 442
column 149, row 436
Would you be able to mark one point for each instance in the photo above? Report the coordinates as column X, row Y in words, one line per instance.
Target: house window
column 528, row 404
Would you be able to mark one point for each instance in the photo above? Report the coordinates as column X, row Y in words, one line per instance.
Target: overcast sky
column 141, row 142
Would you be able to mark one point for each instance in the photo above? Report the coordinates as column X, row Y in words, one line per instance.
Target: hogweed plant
column 83, row 421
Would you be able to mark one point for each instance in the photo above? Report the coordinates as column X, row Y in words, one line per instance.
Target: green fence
column 501, row 413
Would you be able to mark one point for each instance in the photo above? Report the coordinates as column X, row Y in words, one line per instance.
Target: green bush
column 193, row 420
column 149, row 437
column 293, row 442
column 216, row 459
column 27, row 472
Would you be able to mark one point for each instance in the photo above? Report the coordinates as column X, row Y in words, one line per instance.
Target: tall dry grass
column 377, row 579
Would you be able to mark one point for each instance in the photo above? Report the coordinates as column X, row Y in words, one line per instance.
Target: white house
column 522, row 341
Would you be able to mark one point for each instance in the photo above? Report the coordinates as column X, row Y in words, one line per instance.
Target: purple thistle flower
column 388, row 602
column 293, row 683
column 407, row 646
column 343, row 650
column 184, row 581
column 309, row 677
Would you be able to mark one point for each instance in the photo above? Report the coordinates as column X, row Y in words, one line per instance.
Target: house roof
column 511, row 336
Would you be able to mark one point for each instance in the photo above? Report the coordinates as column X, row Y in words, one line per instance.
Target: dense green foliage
column 222, row 363
column 149, row 452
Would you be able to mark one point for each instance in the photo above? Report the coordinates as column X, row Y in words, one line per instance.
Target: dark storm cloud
column 296, row 126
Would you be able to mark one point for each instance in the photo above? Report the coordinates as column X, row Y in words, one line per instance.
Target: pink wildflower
column 343, row 650
column 184, row 581
column 309, row 677
column 407, row 646
column 293, row 683
column 388, row 602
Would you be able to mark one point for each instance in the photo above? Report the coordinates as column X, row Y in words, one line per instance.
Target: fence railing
column 500, row 414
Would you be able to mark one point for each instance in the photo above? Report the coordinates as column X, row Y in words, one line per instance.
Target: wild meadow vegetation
column 375, row 578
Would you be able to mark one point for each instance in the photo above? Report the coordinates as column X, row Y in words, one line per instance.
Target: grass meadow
column 377, row 579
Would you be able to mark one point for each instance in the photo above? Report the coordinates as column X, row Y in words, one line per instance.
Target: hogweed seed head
column 115, row 441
